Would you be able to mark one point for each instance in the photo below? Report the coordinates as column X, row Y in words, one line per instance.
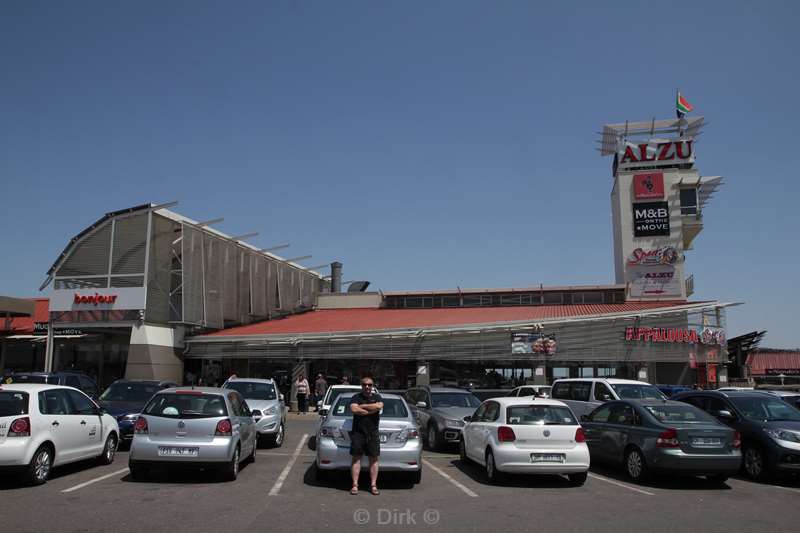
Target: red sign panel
column 648, row 185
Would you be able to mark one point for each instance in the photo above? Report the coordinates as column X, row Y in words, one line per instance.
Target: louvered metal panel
column 127, row 281
column 89, row 257
column 192, row 257
column 130, row 240
column 159, row 272
column 214, row 257
column 272, row 286
column 81, row 283
column 230, row 282
column 244, row 286
column 259, row 280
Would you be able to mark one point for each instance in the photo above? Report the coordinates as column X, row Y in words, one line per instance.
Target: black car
column 125, row 398
column 770, row 428
column 77, row 380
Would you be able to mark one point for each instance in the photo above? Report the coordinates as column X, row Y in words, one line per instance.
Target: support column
column 48, row 354
column 155, row 353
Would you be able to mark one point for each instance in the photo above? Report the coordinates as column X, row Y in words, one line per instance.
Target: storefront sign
column 95, row 298
column 671, row 335
column 665, row 255
column 655, row 154
column 784, row 371
column 713, row 336
column 650, row 219
column 114, row 299
column 533, row 343
column 648, row 185
column 653, row 281
column 41, row 328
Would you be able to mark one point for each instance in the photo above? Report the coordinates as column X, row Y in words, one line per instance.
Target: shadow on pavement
column 11, row 480
column 340, row 480
column 477, row 474
column 659, row 481
column 185, row 475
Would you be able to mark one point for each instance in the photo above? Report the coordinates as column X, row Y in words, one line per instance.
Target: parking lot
column 279, row 493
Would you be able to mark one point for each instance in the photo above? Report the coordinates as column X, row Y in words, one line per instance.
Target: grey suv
column 440, row 413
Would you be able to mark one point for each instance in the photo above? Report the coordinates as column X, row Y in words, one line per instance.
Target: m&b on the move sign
column 650, row 219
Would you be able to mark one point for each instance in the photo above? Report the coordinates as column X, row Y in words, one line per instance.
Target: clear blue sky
column 424, row 144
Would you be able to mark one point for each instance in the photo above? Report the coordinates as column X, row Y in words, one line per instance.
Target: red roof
column 24, row 324
column 343, row 320
column 760, row 361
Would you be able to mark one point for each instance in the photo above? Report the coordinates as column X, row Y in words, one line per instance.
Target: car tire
column 462, row 451
column 252, row 458
column 109, row 450
column 276, row 441
column 578, row 479
column 492, row 474
column 754, row 463
column 635, row 465
column 434, row 440
column 138, row 472
column 231, row 470
column 38, row 470
column 320, row 474
column 416, row 477
column 717, row 479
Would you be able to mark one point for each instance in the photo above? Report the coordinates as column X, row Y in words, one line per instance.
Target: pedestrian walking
column 301, row 389
column 345, row 381
column 320, row 387
column 364, row 438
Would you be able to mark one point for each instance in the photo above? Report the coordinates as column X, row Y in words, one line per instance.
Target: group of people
column 305, row 393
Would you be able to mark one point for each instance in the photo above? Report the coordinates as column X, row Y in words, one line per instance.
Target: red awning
column 761, row 362
column 24, row 324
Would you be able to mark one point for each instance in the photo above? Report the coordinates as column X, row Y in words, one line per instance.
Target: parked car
column 587, row 394
column 540, row 391
column 648, row 436
column 671, row 390
column 333, row 392
column 42, row 426
column 202, row 427
column 440, row 413
column 732, row 389
column 76, row 380
column 401, row 449
column 124, row 400
column 770, row 428
column 525, row 436
column 790, row 397
column 267, row 406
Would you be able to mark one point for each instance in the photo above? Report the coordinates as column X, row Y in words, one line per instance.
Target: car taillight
column 580, row 436
column 21, row 427
column 737, row 440
column 140, row 427
column 505, row 434
column 668, row 439
column 224, row 428
column 413, row 434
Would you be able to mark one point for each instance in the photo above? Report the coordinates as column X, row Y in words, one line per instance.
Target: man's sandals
column 373, row 490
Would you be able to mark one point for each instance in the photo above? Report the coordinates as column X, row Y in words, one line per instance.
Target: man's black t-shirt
column 366, row 424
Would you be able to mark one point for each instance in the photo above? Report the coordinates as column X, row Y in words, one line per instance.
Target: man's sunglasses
column 366, row 384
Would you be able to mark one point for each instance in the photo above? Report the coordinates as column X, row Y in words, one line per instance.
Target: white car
column 42, row 426
column 525, row 436
column 333, row 392
column 531, row 390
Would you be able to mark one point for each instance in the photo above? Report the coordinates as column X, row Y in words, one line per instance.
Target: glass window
column 561, row 391
column 684, row 414
column 186, row 405
column 586, row 372
column 630, row 391
column 600, row 414
column 87, row 385
column 236, row 404
column 72, row 381
column 715, row 405
column 602, row 393
column 480, row 412
column 530, row 415
column 134, row 392
column 392, row 408
column 54, row 402
column 622, row 414
column 253, row 390
column 454, row 399
column 492, row 412
column 81, row 404
column 13, row 403
column 767, row 409
column 333, row 394
column 580, row 390
column 688, row 201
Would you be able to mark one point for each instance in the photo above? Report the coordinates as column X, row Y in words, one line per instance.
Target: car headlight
column 454, row 423
column 783, row 434
column 271, row 411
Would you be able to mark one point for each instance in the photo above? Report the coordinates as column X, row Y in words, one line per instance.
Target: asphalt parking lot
column 279, row 493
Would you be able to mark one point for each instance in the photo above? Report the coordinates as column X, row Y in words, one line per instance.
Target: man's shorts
column 365, row 444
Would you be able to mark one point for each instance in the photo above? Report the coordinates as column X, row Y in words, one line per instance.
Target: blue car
column 124, row 400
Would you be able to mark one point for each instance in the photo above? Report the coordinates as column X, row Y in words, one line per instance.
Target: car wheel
column 38, row 470
column 231, row 471
column 138, row 473
column 277, row 440
column 754, row 465
column 320, row 474
column 462, row 451
column 717, row 479
column 491, row 468
column 635, row 465
column 416, row 477
column 578, row 479
column 109, row 450
column 433, row 438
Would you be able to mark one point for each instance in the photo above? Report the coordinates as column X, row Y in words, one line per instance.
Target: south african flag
column 682, row 105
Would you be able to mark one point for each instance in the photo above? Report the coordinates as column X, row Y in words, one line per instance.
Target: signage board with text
column 650, row 219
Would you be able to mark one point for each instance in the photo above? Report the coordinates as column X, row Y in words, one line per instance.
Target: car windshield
column 684, row 414
column 767, row 409
column 253, row 390
column 334, row 393
column 187, row 405
column 631, row 391
column 454, row 399
column 392, row 408
column 532, row 415
column 129, row 392
column 13, row 403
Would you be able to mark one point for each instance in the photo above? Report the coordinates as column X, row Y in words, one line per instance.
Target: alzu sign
column 655, row 154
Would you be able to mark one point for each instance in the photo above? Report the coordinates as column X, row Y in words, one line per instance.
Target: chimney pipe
column 336, row 277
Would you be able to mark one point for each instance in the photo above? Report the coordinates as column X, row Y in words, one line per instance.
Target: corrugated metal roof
column 346, row 320
column 760, row 361
column 25, row 324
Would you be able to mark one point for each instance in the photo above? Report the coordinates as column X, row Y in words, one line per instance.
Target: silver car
column 196, row 428
column 266, row 404
column 401, row 447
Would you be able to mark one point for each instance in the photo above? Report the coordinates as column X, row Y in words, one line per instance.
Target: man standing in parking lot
column 365, row 439
column 320, row 387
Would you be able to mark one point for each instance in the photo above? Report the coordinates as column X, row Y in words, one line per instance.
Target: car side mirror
column 281, row 397
column 725, row 414
column 323, row 412
column 422, row 405
column 467, row 418
column 607, row 398
column 585, row 418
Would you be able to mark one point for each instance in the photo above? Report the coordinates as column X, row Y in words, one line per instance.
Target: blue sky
column 423, row 144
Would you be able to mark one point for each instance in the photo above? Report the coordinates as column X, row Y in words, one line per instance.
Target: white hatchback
column 42, row 426
column 525, row 436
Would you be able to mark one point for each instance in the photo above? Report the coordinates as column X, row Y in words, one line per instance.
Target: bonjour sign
column 95, row 299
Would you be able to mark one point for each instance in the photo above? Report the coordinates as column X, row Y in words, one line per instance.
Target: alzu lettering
column 663, row 152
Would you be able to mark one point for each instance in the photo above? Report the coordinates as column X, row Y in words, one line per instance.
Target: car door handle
column 56, row 423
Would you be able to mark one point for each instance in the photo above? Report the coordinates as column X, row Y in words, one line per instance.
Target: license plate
column 706, row 441
column 384, row 438
column 548, row 457
column 176, row 451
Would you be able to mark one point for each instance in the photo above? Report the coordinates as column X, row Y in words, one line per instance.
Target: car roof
column 354, row 387
column 727, row 394
column 156, row 381
column 205, row 390
column 32, row 387
column 344, row 396
column 436, row 388
column 611, row 381
column 60, row 373
column 509, row 401
column 253, row 380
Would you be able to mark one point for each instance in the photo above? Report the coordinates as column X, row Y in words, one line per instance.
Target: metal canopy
column 614, row 134
column 16, row 307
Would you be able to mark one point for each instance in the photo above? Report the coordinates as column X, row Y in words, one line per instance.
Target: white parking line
column 624, row 486
column 786, row 488
column 95, row 480
column 279, row 483
column 450, row 479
